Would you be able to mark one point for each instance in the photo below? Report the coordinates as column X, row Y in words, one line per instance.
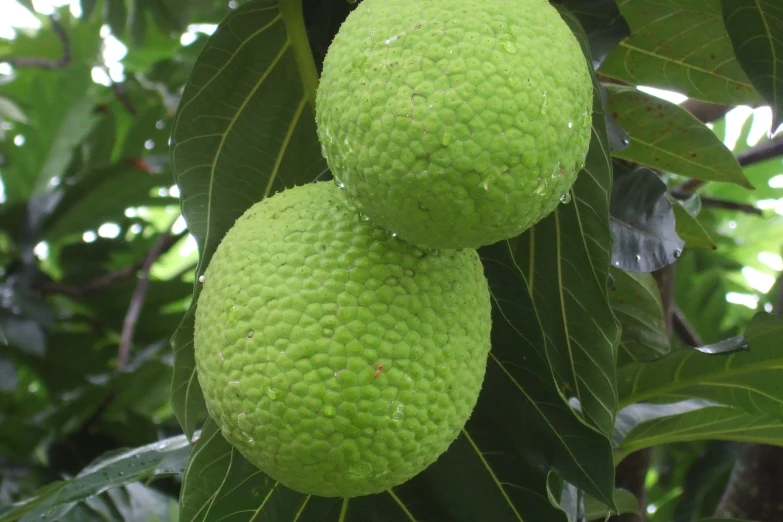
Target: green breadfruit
column 339, row 360
column 455, row 123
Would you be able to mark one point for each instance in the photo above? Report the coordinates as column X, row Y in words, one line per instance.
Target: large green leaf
column 667, row 137
column 115, row 469
column 756, row 31
column 257, row 139
column 602, row 22
column 709, row 423
column 682, row 46
column 688, row 227
column 565, row 259
column 636, row 302
column 749, row 380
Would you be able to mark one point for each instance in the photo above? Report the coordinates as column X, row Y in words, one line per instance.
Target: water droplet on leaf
column 565, row 198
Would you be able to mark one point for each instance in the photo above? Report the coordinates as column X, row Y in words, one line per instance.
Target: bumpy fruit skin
column 455, row 123
column 337, row 359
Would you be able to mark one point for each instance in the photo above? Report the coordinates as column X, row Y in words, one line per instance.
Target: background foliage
column 640, row 314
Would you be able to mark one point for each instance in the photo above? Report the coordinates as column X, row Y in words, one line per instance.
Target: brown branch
column 718, row 203
column 105, row 281
column 683, row 328
column 46, row 63
column 162, row 244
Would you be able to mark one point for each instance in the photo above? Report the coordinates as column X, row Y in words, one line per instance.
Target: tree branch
column 162, row 244
column 718, row 203
column 683, row 328
column 46, row 63
column 107, row 280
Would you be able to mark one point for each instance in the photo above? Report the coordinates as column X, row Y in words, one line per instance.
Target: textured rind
column 337, row 359
column 455, row 123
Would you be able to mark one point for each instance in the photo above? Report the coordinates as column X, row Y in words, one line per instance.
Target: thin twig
column 718, row 203
column 683, row 328
column 106, row 281
column 120, row 93
column 137, row 299
column 46, row 63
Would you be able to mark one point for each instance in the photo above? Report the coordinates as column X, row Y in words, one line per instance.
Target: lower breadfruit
column 338, row 359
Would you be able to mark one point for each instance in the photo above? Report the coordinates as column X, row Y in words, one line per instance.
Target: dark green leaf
column 7, row 373
column 22, row 333
column 118, row 468
column 116, row 15
column 746, row 380
column 724, row 520
column 636, row 303
column 227, row 156
column 669, row 138
column 710, row 423
column 688, row 227
column 756, row 32
column 642, row 222
column 680, row 46
column 565, row 260
column 602, row 22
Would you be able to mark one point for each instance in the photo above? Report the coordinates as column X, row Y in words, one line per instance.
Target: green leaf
column 119, row 468
column 116, row 15
column 709, row 423
column 565, row 260
column 64, row 115
column 643, row 224
column 756, row 32
column 724, row 520
column 258, row 140
column 11, row 111
column 669, row 138
column 636, row 303
column 602, row 22
column 746, row 380
column 688, row 227
column 625, row 501
column 103, row 195
column 680, row 46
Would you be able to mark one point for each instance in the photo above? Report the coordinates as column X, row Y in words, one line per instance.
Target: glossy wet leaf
column 756, row 32
column 747, row 380
column 667, row 137
column 726, row 346
column 680, row 46
column 688, row 227
column 115, row 469
column 565, row 259
column 602, row 22
column 642, row 221
column 708, row 423
column 226, row 156
column 636, row 303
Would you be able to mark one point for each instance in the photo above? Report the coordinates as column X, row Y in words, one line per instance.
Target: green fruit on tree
column 338, row 359
column 455, row 123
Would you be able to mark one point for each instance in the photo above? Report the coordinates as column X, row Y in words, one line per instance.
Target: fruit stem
column 293, row 18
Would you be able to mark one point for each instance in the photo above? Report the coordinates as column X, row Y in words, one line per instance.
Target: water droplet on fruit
column 233, row 313
column 543, row 104
column 570, row 125
column 509, row 48
column 250, row 334
column 565, row 198
column 394, row 234
column 323, row 150
column 408, row 272
column 339, row 183
column 329, row 411
column 363, row 217
column 422, row 207
column 542, row 186
column 271, row 392
column 201, row 278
